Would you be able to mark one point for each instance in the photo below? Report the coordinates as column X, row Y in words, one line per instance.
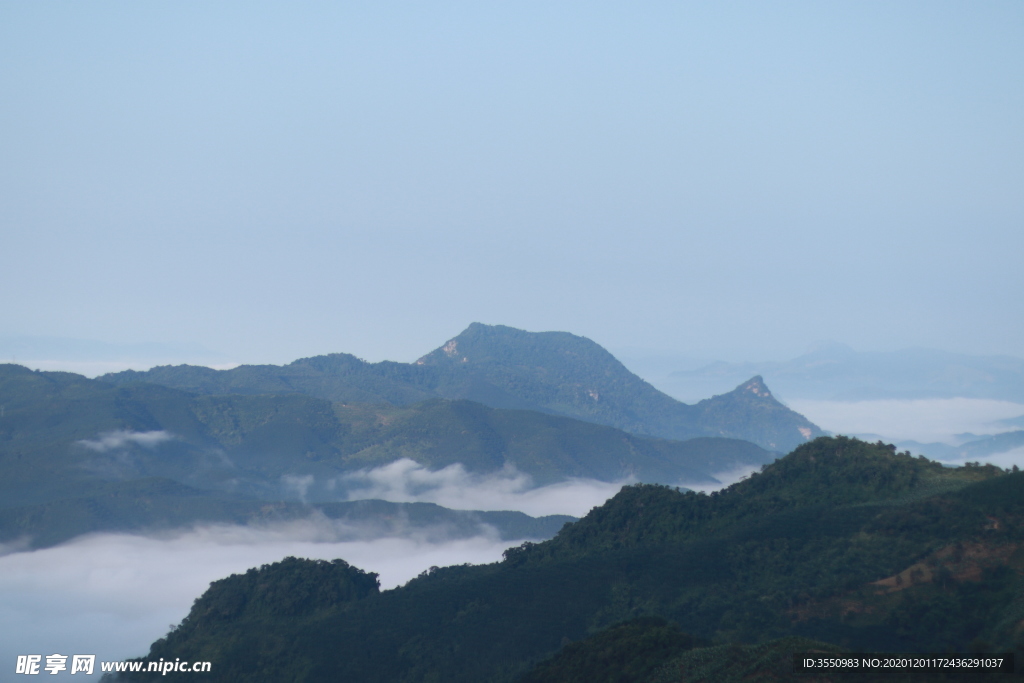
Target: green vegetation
column 502, row 367
column 843, row 542
column 772, row 662
column 627, row 652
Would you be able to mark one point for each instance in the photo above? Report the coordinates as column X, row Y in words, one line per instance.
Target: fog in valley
column 405, row 481
column 113, row 594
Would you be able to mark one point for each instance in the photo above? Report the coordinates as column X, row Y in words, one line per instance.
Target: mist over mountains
column 948, row 406
column 502, row 367
column 493, row 409
column 176, row 446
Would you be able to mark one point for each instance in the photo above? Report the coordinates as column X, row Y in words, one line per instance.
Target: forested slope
column 844, row 542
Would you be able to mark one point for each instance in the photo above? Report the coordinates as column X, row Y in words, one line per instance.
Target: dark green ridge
column 631, row 651
column 844, row 542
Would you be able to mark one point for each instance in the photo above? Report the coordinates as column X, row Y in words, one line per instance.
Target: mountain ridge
column 503, row 367
column 63, row 435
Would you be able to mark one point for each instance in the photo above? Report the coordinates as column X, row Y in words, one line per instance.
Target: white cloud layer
column 298, row 484
column 98, row 594
column 406, row 481
column 119, row 438
column 924, row 420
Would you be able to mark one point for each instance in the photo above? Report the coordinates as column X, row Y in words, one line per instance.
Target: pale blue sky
column 729, row 180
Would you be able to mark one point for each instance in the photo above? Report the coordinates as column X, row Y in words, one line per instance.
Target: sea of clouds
column 113, row 594
column 406, row 481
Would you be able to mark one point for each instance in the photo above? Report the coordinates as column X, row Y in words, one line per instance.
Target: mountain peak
column 500, row 345
column 755, row 385
column 751, row 403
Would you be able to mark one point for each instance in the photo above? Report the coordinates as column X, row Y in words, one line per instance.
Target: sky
column 730, row 180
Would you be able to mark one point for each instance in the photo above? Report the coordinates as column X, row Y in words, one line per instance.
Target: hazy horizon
column 91, row 357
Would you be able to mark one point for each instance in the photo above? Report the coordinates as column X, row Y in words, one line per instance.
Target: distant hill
column 836, row 372
column 502, row 367
column 62, row 435
column 91, row 358
column 977, row 448
column 142, row 506
column 550, row 448
column 850, row 544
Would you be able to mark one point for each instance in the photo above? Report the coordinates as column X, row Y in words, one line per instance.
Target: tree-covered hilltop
column 282, row 593
column 282, row 589
column 842, row 541
column 502, row 367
